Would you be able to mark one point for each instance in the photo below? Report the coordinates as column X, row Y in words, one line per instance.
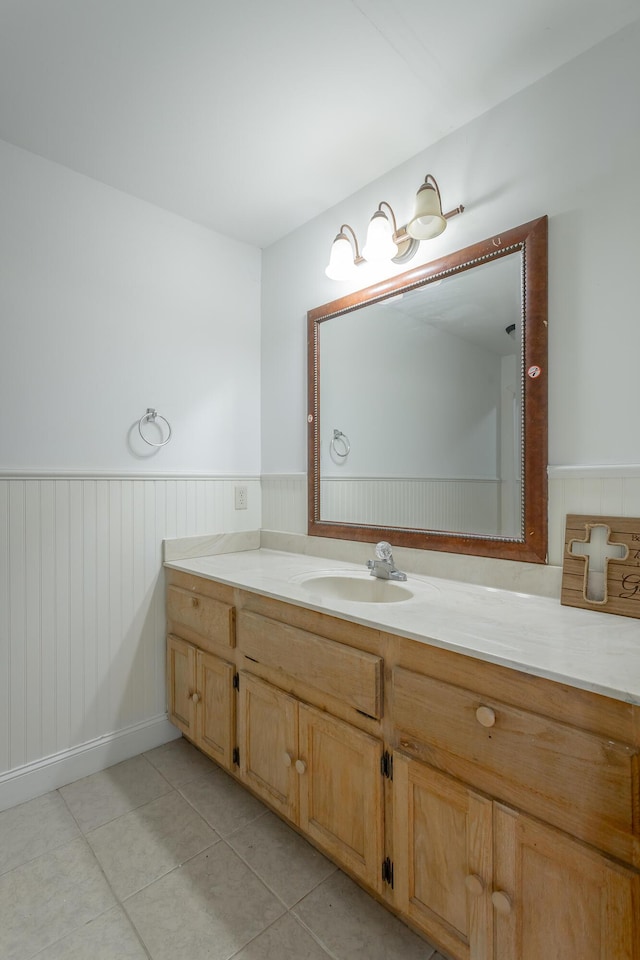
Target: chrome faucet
column 383, row 566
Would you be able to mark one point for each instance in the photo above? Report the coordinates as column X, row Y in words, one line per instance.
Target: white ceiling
column 253, row 116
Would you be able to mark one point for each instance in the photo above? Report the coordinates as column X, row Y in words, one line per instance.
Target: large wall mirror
column 428, row 404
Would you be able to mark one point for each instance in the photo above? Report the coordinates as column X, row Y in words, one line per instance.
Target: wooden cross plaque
column 601, row 566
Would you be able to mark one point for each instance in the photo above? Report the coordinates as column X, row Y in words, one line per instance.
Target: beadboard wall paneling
column 284, row 502
column 592, row 491
column 82, row 627
column 598, row 490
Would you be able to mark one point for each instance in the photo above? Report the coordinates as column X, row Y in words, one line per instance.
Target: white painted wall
column 108, row 305
column 569, row 146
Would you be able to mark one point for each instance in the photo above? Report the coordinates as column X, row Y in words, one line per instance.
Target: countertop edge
column 287, row 592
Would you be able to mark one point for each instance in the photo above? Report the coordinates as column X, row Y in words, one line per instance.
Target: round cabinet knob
column 485, row 716
column 474, row 884
column 301, row 766
column 195, row 602
column 287, row 759
column 501, row 902
column 195, row 697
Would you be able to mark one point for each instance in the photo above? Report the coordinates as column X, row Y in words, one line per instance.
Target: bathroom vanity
column 469, row 756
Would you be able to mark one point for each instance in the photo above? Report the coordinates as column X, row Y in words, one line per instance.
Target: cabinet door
column 442, row 858
column 557, row 898
column 215, row 715
column 181, row 685
column 268, row 738
column 341, row 792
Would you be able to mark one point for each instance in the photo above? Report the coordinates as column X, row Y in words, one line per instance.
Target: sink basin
column 355, row 587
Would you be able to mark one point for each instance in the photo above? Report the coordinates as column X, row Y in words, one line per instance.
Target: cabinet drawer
column 578, row 780
column 353, row 676
column 209, row 619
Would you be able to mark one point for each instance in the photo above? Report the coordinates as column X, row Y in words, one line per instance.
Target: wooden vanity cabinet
column 486, row 882
column 496, row 812
column 181, row 685
column 442, row 850
column 200, row 682
column 509, row 822
column 319, row 772
column 554, row 896
column 201, row 699
column 268, row 744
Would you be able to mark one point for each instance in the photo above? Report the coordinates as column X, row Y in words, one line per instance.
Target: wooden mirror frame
column 531, row 239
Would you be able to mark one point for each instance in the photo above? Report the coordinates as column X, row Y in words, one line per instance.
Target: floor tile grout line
column 138, row 806
column 253, row 939
column 288, row 907
column 79, row 836
column 75, row 930
column 287, row 910
column 235, row 830
column 428, row 945
column 111, row 819
column 178, row 866
column 257, row 876
column 117, row 901
column 248, row 823
column 70, row 811
column 180, row 740
column 135, row 930
column 157, row 769
column 325, row 947
column 287, row 913
column 163, row 796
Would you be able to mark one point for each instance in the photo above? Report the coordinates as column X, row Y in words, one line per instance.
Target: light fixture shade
column 341, row 263
column 427, row 220
column 380, row 245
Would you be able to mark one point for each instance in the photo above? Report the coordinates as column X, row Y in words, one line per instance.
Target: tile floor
column 165, row 856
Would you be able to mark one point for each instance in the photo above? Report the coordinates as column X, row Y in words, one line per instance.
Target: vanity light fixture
column 385, row 242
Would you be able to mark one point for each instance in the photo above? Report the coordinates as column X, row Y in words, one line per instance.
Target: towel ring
column 340, row 437
column 150, row 417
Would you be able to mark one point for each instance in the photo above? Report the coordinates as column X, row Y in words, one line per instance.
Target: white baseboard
column 34, row 779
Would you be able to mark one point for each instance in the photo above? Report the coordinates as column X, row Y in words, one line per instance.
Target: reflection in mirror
column 434, row 363
column 423, row 421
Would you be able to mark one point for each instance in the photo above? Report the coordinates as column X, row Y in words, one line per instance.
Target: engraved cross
column 597, row 550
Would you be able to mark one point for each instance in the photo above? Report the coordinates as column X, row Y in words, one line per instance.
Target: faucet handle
column 383, row 551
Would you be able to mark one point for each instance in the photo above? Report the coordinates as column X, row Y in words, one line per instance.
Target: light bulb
column 380, row 245
column 427, row 220
column 341, row 265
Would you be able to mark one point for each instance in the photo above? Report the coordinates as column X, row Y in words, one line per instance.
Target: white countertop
column 583, row 648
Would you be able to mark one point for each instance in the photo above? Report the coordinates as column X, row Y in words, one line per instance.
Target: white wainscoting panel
column 82, row 625
column 284, row 502
column 593, row 491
